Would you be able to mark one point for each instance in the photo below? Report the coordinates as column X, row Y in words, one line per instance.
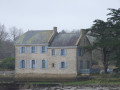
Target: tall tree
column 101, row 31
column 107, row 36
column 114, row 17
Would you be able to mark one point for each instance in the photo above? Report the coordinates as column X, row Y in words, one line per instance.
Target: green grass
column 110, row 81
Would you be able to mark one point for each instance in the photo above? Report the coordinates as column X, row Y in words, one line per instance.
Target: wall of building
column 49, row 72
column 87, row 56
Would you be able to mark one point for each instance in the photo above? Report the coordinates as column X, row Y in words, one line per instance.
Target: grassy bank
column 108, row 81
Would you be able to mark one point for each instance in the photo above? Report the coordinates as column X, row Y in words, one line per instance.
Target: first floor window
column 33, row 49
column 43, row 49
column 62, row 65
column 81, row 52
column 53, row 52
column 81, row 64
column 23, row 50
column 63, row 52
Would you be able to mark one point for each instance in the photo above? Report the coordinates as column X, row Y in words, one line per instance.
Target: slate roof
column 35, row 37
column 66, row 39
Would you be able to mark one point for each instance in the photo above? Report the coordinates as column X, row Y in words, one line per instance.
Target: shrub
column 8, row 63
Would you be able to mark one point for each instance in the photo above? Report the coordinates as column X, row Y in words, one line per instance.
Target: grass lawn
column 110, row 81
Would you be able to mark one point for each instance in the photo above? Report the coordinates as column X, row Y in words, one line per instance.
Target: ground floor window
column 53, row 65
column 33, row 64
column 22, row 64
column 88, row 64
column 43, row 63
column 63, row 65
column 81, row 64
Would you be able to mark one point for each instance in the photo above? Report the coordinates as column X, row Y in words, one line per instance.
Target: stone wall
column 87, row 56
column 70, row 58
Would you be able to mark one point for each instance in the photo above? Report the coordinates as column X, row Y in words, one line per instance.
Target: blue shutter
column 35, row 49
column 45, row 63
column 65, row 65
column 25, row 49
column 25, row 63
column 30, row 63
column 20, row 64
column 60, row 65
column 45, row 49
column 35, row 63
column 20, row 49
column 65, row 52
column 41, row 49
column 30, row 50
column 59, row 52
column 40, row 63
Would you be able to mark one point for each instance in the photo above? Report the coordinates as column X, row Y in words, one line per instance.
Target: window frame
column 33, row 64
column 22, row 64
column 43, row 64
column 32, row 49
column 81, row 64
column 53, row 52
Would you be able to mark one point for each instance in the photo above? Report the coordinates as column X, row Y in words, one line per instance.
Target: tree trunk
column 105, row 61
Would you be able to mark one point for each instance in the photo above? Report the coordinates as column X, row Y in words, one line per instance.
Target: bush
column 8, row 63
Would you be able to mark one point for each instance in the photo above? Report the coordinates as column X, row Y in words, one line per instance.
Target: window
column 53, row 52
column 88, row 64
column 22, row 64
column 43, row 63
column 33, row 49
column 81, row 52
column 62, row 65
column 63, row 52
column 23, row 50
column 33, row 64
column 53, row 65
column 81, row 64
column 43, row 49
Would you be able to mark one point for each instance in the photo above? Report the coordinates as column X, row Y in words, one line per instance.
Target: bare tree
column 3, row 33
column 15, row 33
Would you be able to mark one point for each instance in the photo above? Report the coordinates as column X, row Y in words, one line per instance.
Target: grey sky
column 45, row 14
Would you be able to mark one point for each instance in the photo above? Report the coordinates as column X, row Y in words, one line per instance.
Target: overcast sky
column 45, row 14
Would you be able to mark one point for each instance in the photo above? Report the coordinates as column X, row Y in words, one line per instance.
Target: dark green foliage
column 8, row 63
column 107, row 36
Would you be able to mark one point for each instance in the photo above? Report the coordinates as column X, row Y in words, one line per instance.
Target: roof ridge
column 41, row 30
column 68, row 33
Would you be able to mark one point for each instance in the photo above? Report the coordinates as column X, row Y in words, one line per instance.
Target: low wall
column 44, row 77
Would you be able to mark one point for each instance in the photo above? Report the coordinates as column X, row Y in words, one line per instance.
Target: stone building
column 47, row 54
